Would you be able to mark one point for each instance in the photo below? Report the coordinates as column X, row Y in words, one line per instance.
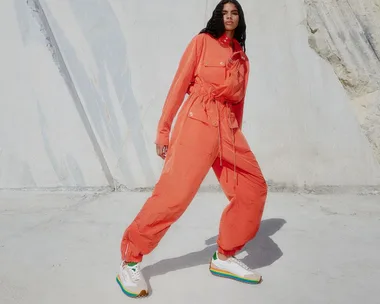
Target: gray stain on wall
column 103, row 33
column 109, row 50
column 52, row 44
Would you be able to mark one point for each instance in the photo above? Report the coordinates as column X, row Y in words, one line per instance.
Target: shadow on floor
column 261, row 251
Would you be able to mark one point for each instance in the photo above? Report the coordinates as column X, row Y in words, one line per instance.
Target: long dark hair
column 215, row 26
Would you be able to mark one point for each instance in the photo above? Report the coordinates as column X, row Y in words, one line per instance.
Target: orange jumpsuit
column 207, row 134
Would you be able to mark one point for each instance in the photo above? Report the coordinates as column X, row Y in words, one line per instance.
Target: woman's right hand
column 161, row 150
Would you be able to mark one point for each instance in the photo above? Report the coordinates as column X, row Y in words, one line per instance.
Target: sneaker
column 131, row 280
column 235, row 269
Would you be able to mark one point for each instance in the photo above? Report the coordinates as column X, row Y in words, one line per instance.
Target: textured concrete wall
column 347, row 35
column 43, row 142
column 120, row 58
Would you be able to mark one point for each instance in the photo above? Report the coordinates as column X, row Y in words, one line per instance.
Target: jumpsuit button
column 191, row 114
column 214, row 123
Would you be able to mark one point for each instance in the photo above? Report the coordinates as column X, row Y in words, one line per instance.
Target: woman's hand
column 161, row 151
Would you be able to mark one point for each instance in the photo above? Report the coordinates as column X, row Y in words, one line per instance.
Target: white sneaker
column 131, row 280
column 232, row 268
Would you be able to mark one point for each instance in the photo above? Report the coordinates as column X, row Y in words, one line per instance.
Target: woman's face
column 230, row 17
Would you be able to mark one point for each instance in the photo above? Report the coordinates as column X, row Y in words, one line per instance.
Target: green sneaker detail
column 215, row 256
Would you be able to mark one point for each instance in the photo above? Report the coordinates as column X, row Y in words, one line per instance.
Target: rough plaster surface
column 80, row 102
column 347, row 34
column 42, row 139
column 310, row 249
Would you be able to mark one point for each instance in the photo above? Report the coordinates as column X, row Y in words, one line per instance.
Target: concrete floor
column 64, row 248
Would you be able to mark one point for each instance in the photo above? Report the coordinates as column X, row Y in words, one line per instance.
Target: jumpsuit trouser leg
column 193, row 150
column 246, row 192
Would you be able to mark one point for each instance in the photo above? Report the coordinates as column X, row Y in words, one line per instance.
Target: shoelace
column 240, row 263
column 134, row 271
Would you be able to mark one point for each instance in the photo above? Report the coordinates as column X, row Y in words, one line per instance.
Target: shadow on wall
column 110, row 53
column 261, row 251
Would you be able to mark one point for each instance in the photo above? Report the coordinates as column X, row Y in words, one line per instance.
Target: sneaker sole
column 225, row 274
column 142, row 294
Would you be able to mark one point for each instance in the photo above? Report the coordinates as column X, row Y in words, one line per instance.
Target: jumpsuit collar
column 225, row 40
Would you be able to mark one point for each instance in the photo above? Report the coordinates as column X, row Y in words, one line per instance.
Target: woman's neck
column 230, row 34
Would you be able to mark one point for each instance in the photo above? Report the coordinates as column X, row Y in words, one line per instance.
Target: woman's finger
column 160, row 151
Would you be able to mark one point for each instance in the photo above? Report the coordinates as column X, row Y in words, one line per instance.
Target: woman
column 214, row 72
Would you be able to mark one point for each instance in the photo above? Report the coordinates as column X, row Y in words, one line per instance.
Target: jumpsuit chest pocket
column 214, row 71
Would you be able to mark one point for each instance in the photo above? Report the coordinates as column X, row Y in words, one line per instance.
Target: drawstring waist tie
column 213, row 106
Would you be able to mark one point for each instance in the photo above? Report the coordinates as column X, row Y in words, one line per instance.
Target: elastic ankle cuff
column 131, row 259
column 227, row 253
column 129, row 252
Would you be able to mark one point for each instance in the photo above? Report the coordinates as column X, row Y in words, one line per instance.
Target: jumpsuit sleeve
column 178, row 89
column 239, row 108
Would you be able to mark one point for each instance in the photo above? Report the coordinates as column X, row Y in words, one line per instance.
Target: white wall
column 122, row 55
column 42, row 139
